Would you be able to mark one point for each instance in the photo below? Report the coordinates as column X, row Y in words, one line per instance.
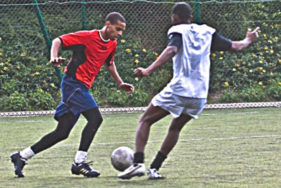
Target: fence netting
column 25, row 40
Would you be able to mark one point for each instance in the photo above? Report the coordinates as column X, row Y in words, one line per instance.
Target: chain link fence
column 28, row 26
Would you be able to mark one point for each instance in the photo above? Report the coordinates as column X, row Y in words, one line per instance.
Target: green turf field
column 223, row 148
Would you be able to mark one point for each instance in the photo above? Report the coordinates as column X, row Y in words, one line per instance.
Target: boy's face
column 115, row 31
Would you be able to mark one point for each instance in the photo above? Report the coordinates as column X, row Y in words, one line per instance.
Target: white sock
column 27, row 153
column 80, row 157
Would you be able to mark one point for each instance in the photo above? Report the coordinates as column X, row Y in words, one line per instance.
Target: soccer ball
column 122, row 158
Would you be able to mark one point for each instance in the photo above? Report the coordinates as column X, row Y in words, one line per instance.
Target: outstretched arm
column 251, row 37
column 113, row 71
column 165, row 56
column 54, row 59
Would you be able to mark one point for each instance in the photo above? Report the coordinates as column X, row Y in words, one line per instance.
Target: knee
column 95, row 124
column 175, row 128
column 62, row 135
column 145, row 120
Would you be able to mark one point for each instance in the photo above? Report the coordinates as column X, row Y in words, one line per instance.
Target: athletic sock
column 80, row 157
column 27, row 153
column 157, row 162
column 138, row 157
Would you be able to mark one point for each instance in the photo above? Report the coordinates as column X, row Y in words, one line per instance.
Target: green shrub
column 15, row 102
column 28, row 82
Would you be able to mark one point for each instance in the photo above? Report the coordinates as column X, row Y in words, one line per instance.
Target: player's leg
column 168, row 144
column 80, row 166
column 65, row 124
column 150, row 116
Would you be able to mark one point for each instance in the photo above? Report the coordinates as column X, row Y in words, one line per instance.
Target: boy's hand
column 57, row 61
column 127, row 87
column 141, row 72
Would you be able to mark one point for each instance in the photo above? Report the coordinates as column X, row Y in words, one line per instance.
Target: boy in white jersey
column 185, row 95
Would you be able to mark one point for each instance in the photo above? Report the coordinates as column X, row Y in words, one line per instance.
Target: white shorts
column 177, row 105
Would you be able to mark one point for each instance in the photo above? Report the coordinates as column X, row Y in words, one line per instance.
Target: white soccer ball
column 122, row 158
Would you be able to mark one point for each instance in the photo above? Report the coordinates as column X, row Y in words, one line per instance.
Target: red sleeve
column 72, row 39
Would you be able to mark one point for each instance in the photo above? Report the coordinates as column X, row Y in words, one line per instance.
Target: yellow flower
column 250, row 70
column 18, row 67
column 137, row 55
column 221, row 52
column 261, row 53
column 214, row 55
column 128, row 50
column 266, row 48
column 279, row 83
column 221, row 58
column 144, row 50
column 155, row 53
column 5, row 68
column 52, row 84
column 137, row 61
column 260, row 83
column 272, row 51
column 279, row 60
column 234, row 69
column 226, row 84
column 1, row 64
column 1, row 53
column 23, row 54
column 261, row 61
column 269, row 41
column 122, row 41
column 137, row 79
column 276, row 38
column 0, row 38
column 263, row 70
column 264, row 35
column 37, row 73
column 260, row 68
column 271, row 73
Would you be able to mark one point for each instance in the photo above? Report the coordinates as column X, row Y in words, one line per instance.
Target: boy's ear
column 191, row 18
column 107, row 23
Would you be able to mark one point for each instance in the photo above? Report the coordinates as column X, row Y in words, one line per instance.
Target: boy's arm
column 166, row 55
column 251, row 36
column 54, row 59
column 111, row 68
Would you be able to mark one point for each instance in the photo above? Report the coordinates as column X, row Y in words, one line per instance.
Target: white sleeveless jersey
column 191, row 64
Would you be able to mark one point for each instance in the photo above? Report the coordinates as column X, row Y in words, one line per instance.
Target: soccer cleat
column 137, row 169
column 84, row 169
column 19, row 163
column 153, row 174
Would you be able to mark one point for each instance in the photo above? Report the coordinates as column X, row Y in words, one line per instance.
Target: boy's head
column 181, row 13
column 115, row 25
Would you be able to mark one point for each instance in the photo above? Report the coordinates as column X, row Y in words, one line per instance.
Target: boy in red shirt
column 91, row 49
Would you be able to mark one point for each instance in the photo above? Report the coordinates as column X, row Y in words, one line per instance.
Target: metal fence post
column 46, row 35
column 197, row 12
column 83, row 13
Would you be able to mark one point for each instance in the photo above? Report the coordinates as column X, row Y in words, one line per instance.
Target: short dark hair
column 113, row 18
column 182, row 10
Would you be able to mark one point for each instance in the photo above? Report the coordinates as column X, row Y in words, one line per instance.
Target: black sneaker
column 19, row 163
column 84, row 169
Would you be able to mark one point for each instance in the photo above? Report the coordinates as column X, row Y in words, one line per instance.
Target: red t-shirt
column 90, row 52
